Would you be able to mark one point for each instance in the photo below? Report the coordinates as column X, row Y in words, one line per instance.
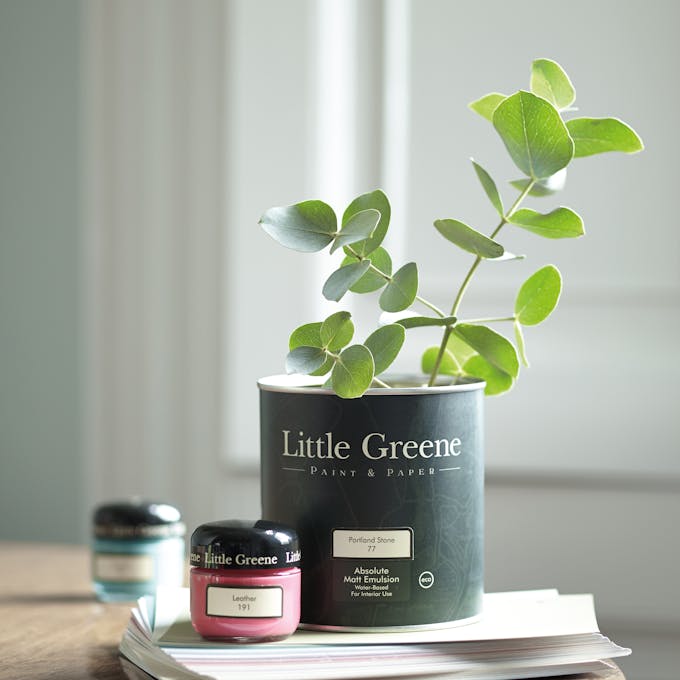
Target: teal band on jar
column 136, row 548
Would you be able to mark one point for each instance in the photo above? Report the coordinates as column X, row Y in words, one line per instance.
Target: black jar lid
column 245, row 544
column 137, row 519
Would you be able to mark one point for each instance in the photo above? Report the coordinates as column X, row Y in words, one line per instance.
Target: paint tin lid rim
column 414, row 384
column 137, row 519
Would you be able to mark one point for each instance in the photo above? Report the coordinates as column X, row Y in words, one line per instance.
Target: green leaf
column 468, row 238
column 496, row 381
column 385, row 344
column 371, row 281
column 308, row 334
column 489, row 187
column 599, row 135
column 305, row 359
column 543, row 187
column 353, row 372
column 420, row 321
column 378, row 201
column 448, row 365
column 496, row 349
column 359, row 227
column 459, row 349
column 534, row 134
column 559, row 223
column 506, row 257
column 486, row 105
column 401, row 291
column 548, row 80
column 538, row 296
column 337, row 331
column 326, row 368
column 521, row 345
column 340, row 281
column 307, row 227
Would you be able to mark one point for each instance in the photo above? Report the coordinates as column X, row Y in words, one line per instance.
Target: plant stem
column 388, row 278
column 434, row 308
column 489, row 320
column 468, row 277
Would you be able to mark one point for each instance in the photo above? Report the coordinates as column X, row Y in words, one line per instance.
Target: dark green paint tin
column 386, row 493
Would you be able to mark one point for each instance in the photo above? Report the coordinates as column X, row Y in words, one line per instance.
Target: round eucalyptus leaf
column 359, row 227
column 559, row 223
column 422, row 321
column 507, row 257
column 468, row 239
column 600, row 135
column 401, row 291
column 448, row 365
column 340, row 281
column 489, row 187
column 486, row 105
column 308, row 334
column 495, row 348
column 305, row 359
column 378, row 201
column 307, row 227
column 538, row 296
column 337, row 331
column 497, row 381
column 353, row 372
column 326, row 368
column 385, row 344
column 534, row 134
column 459, row 349
column 372, row 281
column 549, row 80
column 543, row 187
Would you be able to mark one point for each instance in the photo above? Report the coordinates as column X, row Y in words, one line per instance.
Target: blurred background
column 139, row 300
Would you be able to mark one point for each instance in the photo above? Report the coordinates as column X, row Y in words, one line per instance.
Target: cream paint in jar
column 245, row 581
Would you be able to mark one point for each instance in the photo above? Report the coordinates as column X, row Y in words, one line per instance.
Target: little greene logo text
column 374, row 446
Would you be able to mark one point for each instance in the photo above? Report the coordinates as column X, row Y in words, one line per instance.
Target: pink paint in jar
column 245, row 580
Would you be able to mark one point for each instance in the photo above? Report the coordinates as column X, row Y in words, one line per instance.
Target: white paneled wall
column 153, row 224
column 202, row 115
column 583, row 472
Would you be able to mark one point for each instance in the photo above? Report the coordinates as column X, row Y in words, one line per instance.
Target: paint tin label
column 245, row 603
column 376, row 544
column 117, row 568
column 386, row 493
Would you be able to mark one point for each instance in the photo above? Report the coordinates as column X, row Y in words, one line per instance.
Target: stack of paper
column 526, row 634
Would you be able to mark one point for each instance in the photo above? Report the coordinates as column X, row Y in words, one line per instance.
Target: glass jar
column 137, row 546
column 245, row 580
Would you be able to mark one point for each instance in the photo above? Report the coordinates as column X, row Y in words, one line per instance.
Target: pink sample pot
column 245, row 581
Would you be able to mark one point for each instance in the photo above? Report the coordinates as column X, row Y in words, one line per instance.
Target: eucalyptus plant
column 541, row 143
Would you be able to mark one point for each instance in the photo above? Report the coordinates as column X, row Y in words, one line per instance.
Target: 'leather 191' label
column 247, row 603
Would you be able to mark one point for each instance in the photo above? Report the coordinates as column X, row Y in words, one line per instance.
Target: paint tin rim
column 409, row 384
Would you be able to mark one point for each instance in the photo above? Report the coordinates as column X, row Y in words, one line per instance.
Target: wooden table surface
column 51, row 625
column 53, row 628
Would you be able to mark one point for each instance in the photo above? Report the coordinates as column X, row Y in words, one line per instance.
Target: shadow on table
column 133, row 672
